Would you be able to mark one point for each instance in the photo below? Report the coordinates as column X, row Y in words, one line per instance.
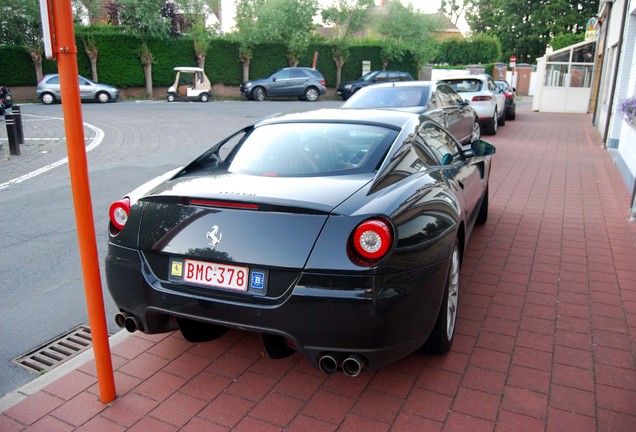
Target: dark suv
column 302, row 82
column 346, row 89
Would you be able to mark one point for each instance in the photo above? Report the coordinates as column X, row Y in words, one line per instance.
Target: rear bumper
column 319, row 313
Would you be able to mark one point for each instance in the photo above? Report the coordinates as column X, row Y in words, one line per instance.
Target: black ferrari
column 338, row 234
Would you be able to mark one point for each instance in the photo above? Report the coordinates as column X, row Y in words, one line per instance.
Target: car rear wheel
column 440, row 340
column 204, row 97
column 311, row 94
column 502, row 120
column 170, row 97
column 103, row 97
column 511, row 114
column 491, row 127
column 47, row 98
column 258, row 94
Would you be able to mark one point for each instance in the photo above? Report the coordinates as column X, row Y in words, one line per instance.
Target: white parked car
column 484, row 96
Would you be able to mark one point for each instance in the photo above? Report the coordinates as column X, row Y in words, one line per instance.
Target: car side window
column 283, row 75
column 82, row 81
column 381, row 77
column 404, row 76
column 442, row 145
column 455, row 98
column 54, row 80
column 444, row 97
column 298, row 74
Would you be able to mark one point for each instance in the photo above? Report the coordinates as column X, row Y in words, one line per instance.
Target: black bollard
column 12, row 134
column 17, row 113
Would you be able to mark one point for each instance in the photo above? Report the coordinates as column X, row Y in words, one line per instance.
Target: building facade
column 617, row 83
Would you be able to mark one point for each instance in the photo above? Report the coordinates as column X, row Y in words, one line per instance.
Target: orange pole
column 73, row 124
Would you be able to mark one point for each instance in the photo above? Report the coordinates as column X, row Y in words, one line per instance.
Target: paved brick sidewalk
column 546, row 332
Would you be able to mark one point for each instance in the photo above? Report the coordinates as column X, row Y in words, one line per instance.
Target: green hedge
column 118, row 59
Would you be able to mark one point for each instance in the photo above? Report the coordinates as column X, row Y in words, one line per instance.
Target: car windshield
column 465, row 85
column 389, row 97
column 312, row 149
column 368, row 76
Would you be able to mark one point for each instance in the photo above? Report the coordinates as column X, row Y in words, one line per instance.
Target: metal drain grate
column 56, row 352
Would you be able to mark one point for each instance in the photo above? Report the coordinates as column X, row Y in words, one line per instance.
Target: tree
column 525, row 28
column 246, row 33
column 195, row 14
column 453, row 9
column 87, row 13
column 405, row 29
column 143, row 18
column 20, row 24
column 289, row 22
column 347, row 17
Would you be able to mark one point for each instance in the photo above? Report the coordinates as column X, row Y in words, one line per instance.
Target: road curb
column 29, row 389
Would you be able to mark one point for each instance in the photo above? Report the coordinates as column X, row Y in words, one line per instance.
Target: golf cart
column 190, row 84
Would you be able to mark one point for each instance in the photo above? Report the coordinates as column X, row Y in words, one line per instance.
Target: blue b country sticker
column 257, row 280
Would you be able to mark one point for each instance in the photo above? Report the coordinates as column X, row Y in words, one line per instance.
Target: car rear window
column 389, row 97
column 315, row 73
column 312, row 149
column 465, row 85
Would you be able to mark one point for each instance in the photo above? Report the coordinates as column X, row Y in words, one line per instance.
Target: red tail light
column 508, row 95
column 372, row 239
column 481, row 98
column 119, row 212
column 323, row 83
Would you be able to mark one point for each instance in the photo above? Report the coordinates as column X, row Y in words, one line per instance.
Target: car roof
column 465, row 76
column 402, row 84
column 391, row 118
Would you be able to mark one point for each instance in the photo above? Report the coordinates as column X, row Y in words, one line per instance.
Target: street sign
column 47, row 29
column 513, row 61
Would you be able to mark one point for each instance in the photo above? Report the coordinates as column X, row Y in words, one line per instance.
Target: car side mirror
column 274, row 79
column 482, row 148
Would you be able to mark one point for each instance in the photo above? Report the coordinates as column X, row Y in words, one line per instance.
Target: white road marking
column 96, row 140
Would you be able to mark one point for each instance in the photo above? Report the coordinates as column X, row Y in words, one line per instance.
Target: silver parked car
column 484, row 95
column 48, row 90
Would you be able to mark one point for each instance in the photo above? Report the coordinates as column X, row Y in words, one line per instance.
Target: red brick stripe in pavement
column 546, row 333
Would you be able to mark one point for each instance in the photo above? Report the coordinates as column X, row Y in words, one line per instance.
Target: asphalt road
column 41, row 286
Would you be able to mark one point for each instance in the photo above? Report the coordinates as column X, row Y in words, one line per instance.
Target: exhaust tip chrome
column 120, row 319
column 132, row 324
column 328, row 363
column 353, row 365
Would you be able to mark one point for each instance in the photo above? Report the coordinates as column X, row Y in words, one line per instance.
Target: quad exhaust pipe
column 127, row 321
column 352, row 365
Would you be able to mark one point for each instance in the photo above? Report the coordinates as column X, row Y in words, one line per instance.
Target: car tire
column 204, row 97
column 502, row 120
column 490, row 128
column 511, row 114
column 441, row 338
column 103, row 97
column 170, row 97
column 311, row 94
column 482, row 217
column 258, row 94
column 476, row 132
column 47, row 98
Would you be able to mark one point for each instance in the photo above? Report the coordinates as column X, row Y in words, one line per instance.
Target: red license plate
column 216, row 275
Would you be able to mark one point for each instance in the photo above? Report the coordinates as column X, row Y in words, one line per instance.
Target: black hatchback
column 302, row 82
column 348, row 88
